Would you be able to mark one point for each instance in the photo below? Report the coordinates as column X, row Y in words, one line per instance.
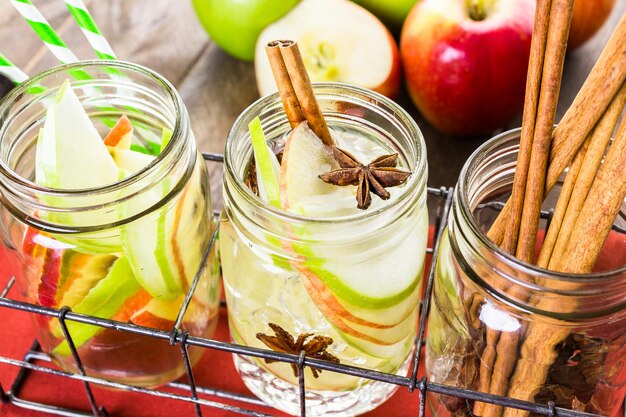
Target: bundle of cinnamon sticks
column 588, row 204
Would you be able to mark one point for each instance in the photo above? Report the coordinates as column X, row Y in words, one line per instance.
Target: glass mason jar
column 294, row 271
column 127, row 251
column 486, row 325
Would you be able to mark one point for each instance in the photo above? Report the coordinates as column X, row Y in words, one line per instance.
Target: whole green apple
column 235, row 25
column 392, row 12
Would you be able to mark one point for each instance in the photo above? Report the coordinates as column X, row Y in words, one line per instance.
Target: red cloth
column 215, row 370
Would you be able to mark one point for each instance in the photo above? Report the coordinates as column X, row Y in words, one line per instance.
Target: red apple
column 466, row 67
column 339, row 41
column 589, row 16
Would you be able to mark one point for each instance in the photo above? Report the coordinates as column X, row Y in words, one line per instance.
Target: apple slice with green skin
column 266, row 164
column 375, row 318
column 68, row 148
column 71, row 147
column 104, row 300
column 364, row 284
column 396, row 353
column 304, row 158
column 143, row 240
column 121, row 135
column 145, row 244
column 166, row 248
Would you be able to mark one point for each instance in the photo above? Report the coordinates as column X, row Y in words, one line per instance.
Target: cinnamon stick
column 598, row 141
column 605, row 79
column 531, row 101
column 283, row 82
column 598, row 213
column 304, row 91
column 561, row 208
column 556, row 45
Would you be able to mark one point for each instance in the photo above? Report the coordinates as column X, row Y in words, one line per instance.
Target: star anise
column 375, row 176
column 285, row 343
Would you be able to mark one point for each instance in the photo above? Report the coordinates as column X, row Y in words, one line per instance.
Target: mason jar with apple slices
column 115, row 229
column 319, row 269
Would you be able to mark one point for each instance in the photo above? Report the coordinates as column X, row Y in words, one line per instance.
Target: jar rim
column 8, row 174
column 509, row 259
column 415, row 181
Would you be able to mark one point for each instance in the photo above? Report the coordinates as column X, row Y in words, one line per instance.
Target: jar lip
column 7, row 173
column 328, row 88
column 592, row 277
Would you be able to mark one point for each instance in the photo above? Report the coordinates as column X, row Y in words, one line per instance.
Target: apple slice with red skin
column 364, row 330
column 339, row 41
column 79, row 274
column 375, row 318
column 50, row 277
column 104, row 301
column 121, row 135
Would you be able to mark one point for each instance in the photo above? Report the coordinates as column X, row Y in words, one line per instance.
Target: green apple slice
column 396, row 353
column 145, row 244
column 71, row 155
column 71, row 147
column 265, row 165
column 103, row 300
column 166, row 136
column 373, row 284
column 166, row 248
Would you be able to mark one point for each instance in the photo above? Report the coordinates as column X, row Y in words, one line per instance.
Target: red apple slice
column 375, row 318
column 339, row 41
column 121, row 135
column 50, row 276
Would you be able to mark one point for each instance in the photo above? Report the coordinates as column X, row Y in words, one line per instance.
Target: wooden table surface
column 166, row 36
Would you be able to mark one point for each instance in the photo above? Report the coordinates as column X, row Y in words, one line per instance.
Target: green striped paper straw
column 44, row 30
column 90, row 29
column 11, row 71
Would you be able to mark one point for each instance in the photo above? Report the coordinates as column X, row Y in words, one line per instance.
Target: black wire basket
column 439, row 201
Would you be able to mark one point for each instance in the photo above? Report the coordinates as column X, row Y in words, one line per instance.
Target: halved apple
column 339, row 41
column 121, row 135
